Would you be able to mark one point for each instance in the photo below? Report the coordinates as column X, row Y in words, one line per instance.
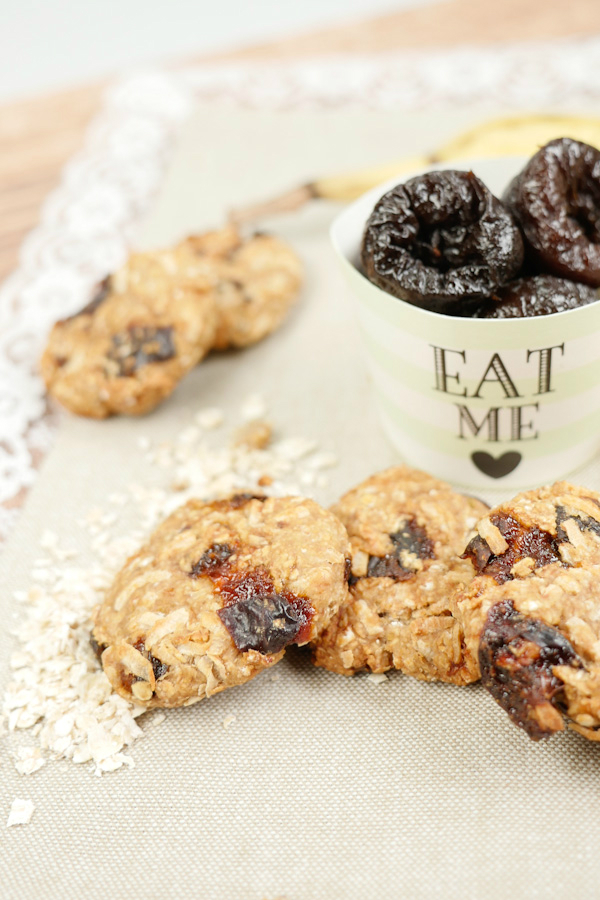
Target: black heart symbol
column 496, row 468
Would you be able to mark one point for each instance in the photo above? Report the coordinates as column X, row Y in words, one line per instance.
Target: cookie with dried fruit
column 217, row 594
column 126, row 351
column 407, row 532
column 255, row 281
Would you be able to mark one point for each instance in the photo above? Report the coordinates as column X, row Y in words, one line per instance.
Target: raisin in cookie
column 254, row 281
column 127, row 350
column 216, row 595
column 530, row 620
column 407, row 531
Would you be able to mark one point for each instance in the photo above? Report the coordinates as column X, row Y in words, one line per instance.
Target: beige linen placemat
column 322, row 787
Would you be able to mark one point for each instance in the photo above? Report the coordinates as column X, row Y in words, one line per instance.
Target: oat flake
column 21, row 812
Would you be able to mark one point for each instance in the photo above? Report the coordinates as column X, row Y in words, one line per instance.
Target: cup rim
column 345, row 218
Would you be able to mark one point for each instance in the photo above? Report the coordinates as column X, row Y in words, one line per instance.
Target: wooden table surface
column 37, row 136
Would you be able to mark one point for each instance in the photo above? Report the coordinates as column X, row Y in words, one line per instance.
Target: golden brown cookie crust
column 127, row 351
column 407, row 531
column 217, row 593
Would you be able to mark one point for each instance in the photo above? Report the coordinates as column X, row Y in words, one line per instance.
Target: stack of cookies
column 403, row 573
column 155, row 319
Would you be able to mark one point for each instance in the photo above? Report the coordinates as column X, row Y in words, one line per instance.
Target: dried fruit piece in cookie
column 559, row 523
column 537, row 639
column 441, row 241
column 407, row 531
column 216, row 595
column 541, row 295
column 255, row 281
column 556, row 199
column 126, row 351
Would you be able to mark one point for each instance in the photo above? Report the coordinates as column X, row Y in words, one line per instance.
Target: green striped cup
column 480, row 402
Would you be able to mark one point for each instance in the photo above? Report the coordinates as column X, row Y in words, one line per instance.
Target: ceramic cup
column 479, row 402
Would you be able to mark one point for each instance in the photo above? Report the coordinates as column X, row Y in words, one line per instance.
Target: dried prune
column 158, row 667
column 348, row 570
column 97, row 648
column 516, row 657
column 441, row 241
column 556, row 199
column 213, row 560
column 524, row 542
column 410, row 543
column 264, row 623
column 540, row 295
column 140, row 345
column 584, row 523
column 257, row 616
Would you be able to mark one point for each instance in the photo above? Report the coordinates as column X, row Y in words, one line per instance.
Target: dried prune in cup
column 441, row 241
column 540, row 295
column 556, row 199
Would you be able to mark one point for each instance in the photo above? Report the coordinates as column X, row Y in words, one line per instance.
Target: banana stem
column 288, row 202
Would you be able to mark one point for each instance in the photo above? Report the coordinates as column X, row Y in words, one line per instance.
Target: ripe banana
column 515, row 135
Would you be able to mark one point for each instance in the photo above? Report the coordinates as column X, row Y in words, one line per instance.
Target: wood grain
column 38, row 136
column 448, row 23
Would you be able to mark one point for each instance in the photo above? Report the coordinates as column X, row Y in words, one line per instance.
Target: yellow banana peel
column 520, row 135
column 512, row 136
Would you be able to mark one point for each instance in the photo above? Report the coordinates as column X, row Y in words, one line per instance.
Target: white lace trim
column 88, row 221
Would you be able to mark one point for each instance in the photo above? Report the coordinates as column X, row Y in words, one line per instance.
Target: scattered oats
column 189, row 435
column 275, row 676
column 21, row 812
column 228, row 722
column 377, row 679
column 180, row 485
column 29, row 760
column 324, row 460
column 294, row 448
column 254, row 407
column 49, row 540
column 58, row 693
column 109, row 519
column 254, row 435
column 157, row 719
column 210, row 418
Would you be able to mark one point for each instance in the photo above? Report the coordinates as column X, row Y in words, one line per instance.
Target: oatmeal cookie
column 128, row 349
column 216, row 595
column 407, row 532
column 254, row 281
column 530, row 620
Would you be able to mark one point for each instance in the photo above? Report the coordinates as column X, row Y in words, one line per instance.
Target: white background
column 46, row 45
